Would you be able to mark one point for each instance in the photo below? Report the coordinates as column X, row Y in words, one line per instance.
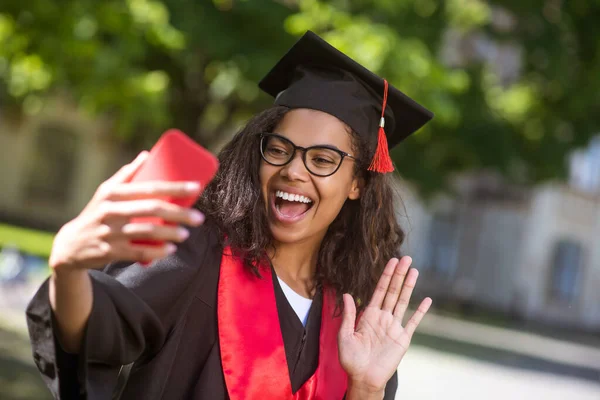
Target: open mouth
column 290, row 207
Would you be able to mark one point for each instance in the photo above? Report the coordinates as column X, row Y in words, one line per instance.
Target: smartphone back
column 176, row 157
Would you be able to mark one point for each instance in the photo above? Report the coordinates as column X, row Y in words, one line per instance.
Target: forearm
column 71, row 299
column 357, row 391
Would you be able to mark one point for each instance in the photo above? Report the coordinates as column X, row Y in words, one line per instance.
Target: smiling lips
column 290, row 207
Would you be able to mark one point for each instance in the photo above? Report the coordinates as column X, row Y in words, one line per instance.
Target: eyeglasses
column 319, row 160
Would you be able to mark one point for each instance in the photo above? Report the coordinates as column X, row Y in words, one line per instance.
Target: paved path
column 428, row 374
column 527, row 344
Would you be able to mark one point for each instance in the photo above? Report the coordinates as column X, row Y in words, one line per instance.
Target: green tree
column 514, row 85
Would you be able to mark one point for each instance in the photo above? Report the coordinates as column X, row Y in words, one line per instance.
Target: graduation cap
column 313, row 74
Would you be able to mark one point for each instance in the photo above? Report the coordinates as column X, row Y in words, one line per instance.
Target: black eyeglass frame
column 342, row 154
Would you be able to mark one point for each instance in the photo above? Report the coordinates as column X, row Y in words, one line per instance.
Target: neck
column 296, row 265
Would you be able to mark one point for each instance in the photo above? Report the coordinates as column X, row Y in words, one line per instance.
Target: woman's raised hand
column 103, row 231
column 371, row 352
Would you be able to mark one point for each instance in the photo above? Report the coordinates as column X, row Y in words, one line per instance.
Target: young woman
column 259, row 298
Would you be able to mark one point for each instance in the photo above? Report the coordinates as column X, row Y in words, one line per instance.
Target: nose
column 295, row 170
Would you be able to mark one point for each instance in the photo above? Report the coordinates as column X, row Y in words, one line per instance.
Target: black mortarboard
column 313, row 74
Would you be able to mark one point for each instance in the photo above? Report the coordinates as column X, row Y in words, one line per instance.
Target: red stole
column 252, row 351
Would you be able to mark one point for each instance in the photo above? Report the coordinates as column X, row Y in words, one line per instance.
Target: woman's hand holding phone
column 138, row 213
column 103, row 232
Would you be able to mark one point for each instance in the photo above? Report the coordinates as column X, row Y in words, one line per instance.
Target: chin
column 287, row 235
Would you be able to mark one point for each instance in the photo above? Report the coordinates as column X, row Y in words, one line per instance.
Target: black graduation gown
column 163, row 317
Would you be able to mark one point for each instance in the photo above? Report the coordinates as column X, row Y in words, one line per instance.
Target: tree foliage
column 514, row 85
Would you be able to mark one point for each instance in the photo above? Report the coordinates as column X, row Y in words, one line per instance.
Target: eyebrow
column 328, row 146
column 325, row 145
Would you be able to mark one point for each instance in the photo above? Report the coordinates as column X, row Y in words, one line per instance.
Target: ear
column 355, row 189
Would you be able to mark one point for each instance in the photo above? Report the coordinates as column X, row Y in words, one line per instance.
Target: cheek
column 333, row 195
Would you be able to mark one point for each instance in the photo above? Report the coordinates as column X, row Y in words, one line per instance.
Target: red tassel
column 382, row 161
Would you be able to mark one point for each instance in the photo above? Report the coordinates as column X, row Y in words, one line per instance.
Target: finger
column 417, row 317
column 151, row 208
column 163, row 233
column 407, row 290
column 382, row 285
column 127, row 171
column 145, row 190
column 348, row 317
column 100, row 253
column 146, row 253
column 393, row 291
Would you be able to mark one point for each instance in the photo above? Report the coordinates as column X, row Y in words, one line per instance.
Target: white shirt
column 301, row 305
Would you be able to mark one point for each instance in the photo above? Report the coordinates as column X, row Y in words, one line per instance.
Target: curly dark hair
column 358, row 243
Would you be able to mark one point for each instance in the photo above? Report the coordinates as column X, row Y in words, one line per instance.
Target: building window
column 566, row 270
column 442, row 245
column 584, row 168
column 51, row 165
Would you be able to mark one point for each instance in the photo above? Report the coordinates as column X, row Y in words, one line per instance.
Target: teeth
column 292, row 197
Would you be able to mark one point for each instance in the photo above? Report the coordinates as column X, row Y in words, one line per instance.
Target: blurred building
column 532, row 253
column 51, row 164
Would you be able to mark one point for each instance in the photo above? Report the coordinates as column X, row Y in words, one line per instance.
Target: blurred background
column 500, row 193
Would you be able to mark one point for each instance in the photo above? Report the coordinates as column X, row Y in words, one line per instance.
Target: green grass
column 29, row 241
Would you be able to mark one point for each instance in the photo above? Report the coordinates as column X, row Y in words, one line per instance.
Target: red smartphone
column 176, row 157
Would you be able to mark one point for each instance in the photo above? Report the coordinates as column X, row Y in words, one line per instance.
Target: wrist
column 360, row 390
column 56, row 263
column 67, row 274
column 59, row 260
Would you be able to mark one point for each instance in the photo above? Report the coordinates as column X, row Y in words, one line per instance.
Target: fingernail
column 182, row 233
column 192, row 186
column 197, row 217
column 143, row 154
column 171, row 248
